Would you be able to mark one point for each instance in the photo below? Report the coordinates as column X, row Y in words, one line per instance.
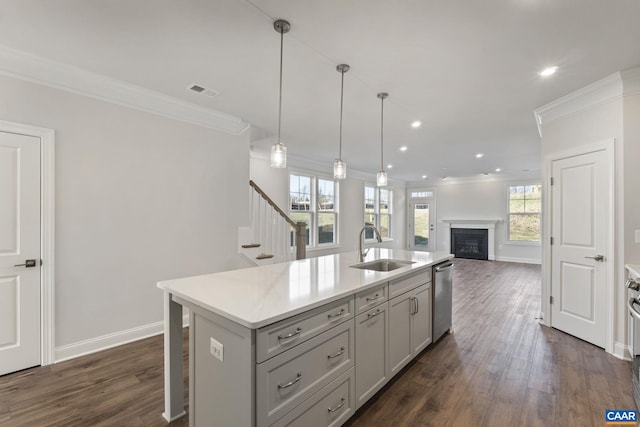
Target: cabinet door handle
column 417, row 305
column 338, row 354
column 291, row 335
column 374, row 314
column 338, row 314
column 289, row 384
column 373, row 298
column 340, row 405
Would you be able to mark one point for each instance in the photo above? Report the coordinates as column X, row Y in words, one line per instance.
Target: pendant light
column 339, row 165
column 381, row 178
column 279, row 151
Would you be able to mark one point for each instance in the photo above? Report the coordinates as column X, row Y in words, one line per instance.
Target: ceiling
column 467, row 69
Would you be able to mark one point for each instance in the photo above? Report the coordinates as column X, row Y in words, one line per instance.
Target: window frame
column 314, row 208
column 376, row 210
column 508, row 239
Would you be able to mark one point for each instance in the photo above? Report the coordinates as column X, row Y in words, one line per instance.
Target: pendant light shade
column 381, row 178
column 278, row 156
column 279, row 151
column 339, row 165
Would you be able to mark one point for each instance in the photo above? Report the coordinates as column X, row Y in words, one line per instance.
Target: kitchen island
column 294, row 343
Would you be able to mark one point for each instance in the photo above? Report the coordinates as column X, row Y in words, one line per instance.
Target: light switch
column 217, row 349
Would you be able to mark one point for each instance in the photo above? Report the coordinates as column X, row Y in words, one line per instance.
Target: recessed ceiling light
column 416, row 124
column 389, row 166
column 479, row 155
column 424, row 176
column 403, row 148
column 548, row 71
column 498, row 169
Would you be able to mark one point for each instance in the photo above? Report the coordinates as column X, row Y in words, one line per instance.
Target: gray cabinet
column 400, row 349
column 421, row 324
column 312, row 369
column 409, row 326
column 372, row 349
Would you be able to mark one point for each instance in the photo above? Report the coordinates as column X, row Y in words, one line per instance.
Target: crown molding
column 631, row 81
column 35, row 69
column 598, row 92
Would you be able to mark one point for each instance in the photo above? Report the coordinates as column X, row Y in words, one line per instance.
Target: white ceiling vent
column 203, row 90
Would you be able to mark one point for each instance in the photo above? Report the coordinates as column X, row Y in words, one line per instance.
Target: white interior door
column 420, row 221
column 581, row 203
column 19, row 244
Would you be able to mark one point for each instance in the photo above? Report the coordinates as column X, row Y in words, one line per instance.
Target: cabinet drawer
column 288, row 379
column 370, row 298
column 408, row 282
column 274, row 339
column 331, row 406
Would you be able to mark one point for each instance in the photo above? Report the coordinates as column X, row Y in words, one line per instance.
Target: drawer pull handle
column 340, row 405
column 374, row 314
column 373, row 298
column 338, row 354
column 338, row 314
column 289, row 384
column 291, row 335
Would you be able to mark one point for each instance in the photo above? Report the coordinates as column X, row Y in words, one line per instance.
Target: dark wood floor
column 499, row 368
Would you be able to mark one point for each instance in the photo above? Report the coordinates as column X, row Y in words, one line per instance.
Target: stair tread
column 251, row 245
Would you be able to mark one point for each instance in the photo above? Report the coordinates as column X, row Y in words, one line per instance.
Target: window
column 524, row 213
column 377, row 210
column 313, row 200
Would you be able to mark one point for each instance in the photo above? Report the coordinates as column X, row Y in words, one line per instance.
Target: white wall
column 592, row 125
column 275, row 182
column 139, row 198
column 631, row 181
column 482, row 200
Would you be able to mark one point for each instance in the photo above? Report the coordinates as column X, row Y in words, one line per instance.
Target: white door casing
column 19, row 242
column 36, row 198
column 581, row 201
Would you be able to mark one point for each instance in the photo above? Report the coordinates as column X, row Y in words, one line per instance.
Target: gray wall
column 139, row 198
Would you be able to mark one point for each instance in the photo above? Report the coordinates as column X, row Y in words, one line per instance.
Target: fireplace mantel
column 486, row 224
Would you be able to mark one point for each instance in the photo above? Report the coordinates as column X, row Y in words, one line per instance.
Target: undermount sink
column 383, row 264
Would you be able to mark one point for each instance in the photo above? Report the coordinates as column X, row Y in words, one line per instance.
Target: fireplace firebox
column 471, row 243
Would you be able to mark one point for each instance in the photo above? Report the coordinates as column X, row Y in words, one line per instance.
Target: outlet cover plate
column 217, row 349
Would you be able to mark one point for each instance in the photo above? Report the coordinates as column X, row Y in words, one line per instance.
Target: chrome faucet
column 361, row 240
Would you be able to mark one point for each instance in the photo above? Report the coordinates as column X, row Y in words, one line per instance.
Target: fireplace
column 471, row 243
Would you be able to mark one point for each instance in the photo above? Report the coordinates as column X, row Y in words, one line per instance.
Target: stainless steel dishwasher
column 442, row 298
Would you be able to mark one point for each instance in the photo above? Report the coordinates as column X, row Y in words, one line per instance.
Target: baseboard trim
column 522, row 260
column 621, row 351
column 104, row 342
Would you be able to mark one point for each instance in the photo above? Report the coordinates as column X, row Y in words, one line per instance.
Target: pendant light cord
column 280, row 99
column 381, row 136
column 341, row 102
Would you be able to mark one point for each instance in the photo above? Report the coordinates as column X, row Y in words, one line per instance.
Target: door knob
column 28, row 263
column 598, row 258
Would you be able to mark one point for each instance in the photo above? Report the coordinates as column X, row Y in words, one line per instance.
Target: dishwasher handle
column 444, row 267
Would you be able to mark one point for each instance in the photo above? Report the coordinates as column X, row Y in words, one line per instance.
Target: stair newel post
column 301, row 241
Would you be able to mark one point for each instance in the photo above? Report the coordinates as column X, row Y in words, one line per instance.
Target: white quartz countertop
column 634, row 270
column 258, row 296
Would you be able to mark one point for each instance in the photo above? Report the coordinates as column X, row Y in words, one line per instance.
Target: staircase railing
column 272, row 228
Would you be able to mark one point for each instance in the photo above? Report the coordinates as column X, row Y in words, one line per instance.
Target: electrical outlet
column 217, row 350
column 637, row 236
